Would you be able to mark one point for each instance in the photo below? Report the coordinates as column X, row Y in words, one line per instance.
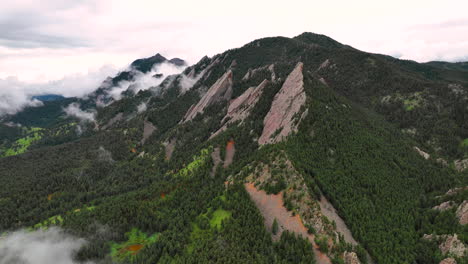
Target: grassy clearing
column 464, row 143
column 58, row 219
column 206, row 223
column 137, row 240
column 21, row 145
column 218, row 216
column 198, row 161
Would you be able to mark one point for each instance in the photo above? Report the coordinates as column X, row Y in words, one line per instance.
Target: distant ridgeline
column 48, row 97
column 286, row 150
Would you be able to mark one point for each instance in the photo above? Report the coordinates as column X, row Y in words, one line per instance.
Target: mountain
column 285, row 150
column 48, row 97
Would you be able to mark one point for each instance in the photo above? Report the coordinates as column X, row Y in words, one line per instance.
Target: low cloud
column 142, row 107
column 74, row 110
column 13, row 98
column 39, row 247
column 187, row 82
column 144, row 81
column 16, row 95
column 105, row 155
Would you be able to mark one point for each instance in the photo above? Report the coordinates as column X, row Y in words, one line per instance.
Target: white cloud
column 74, row 110
column 15, row 95
column 13, row 98
column 142, row 107
column 39, row 247
column 144, row 81
column 46, row 40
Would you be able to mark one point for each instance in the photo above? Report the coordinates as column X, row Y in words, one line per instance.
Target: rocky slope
column 284, row 115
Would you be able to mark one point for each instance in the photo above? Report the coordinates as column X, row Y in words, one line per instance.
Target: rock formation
column 461, row 165
column 448, row 261
column 462, row 213
column 239, row 108
column 148, row 129
column 350, row 258
column 220, row 90
column 452, row 245
column 422, row 153
column 444, row 206
column 280, row 120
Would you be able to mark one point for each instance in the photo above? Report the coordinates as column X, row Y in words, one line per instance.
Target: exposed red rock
column 448, row 261
column 279, row 121
column 230, row 151
column 239, row 108
column 452, row 245
column 148, row 129
column 220, row 90
column 462, row 213
column 271, row 207
column 350, row 258
column 444, row 206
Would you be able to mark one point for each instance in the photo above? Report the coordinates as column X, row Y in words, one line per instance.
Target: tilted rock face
column 351, row 258
column 444, row 206
column 279, row 121
column 448, row 261
column 422, row 153
column 239, row 108
column 148, row 129
column 221, row 90
column 461, row 165
column 452, row 245
column 462, row 213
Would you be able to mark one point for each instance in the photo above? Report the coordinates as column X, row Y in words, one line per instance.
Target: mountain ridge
column 352, row 141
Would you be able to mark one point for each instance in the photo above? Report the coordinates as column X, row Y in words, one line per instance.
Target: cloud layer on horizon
column 60, row 46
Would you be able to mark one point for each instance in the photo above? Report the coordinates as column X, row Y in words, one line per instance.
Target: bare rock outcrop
column 461, row 165
column 423, row 154
column 280, row 120
column 148, row 129
column 444, row 206
column 452, row 245
column 462, row 213
column 448, row 261
column 350, row 258
column 169, row 147
column 216, row 157
column 239, row 108
column 251, row 72
column 220, row 90
column 456, row 190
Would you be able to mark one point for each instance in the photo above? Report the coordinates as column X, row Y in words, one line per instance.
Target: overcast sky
column 47, row 40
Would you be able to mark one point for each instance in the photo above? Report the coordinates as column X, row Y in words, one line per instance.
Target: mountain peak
column 146, row 64
column 318, row 39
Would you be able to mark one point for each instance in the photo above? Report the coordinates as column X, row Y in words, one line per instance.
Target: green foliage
column 274, row 227
column 349, row 148
column 198, row 160
column 21, row 145
column 128, row 250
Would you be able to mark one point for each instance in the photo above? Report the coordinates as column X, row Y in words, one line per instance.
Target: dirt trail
column 271, row 207
column 230, row 151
